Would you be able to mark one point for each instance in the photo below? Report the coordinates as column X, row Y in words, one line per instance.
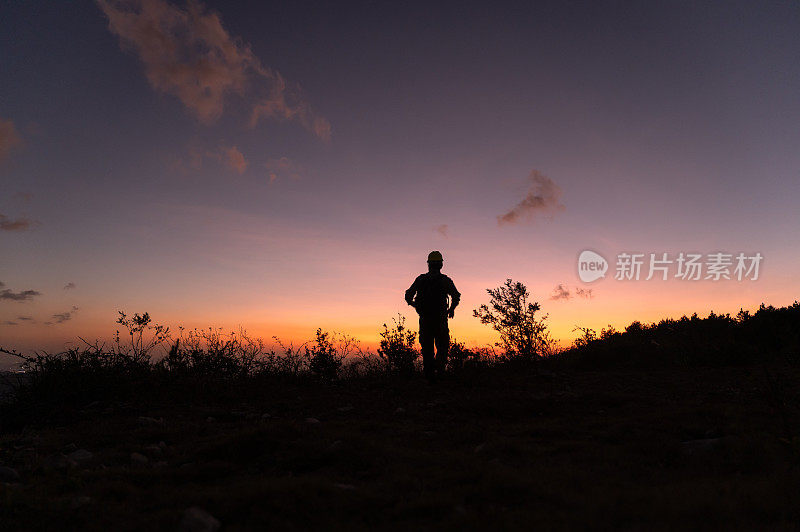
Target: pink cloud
column 285, row 104
column 189, row 54
column 9, row 139
column 230, row 156
column 234, row 158
column 282, row 167
column 20, row 224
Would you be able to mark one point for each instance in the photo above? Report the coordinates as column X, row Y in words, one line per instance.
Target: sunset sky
column 287, row 166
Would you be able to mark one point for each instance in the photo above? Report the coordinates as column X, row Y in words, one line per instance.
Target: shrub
column 397, row 347
column 523, row 337
column 324, row 360
column 460, row 357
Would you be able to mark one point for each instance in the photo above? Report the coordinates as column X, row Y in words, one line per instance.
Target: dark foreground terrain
column 654, row 449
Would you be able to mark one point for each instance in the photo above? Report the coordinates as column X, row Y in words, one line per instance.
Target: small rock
column 312, row 420
column 210, row 419
column 701, row 445
column 195, row 519
column 335, row 445
column 151, row 421
column 8, row 474
column 400, row 410
column 160, row 463
column 344, row 486
column 480, row 448
column 78, row 502
column 57, row 461
column 162, row 446
column 139, row 458
column 70, row 448
column 154, row 450
column 428, row 432
column 265, row 416
column 80, row 455
column 347, row 408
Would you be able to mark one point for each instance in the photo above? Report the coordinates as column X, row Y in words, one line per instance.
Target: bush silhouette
column 523, row 337
column 397, row 347
column 324, row 360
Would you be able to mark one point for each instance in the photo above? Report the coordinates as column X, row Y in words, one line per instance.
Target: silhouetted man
column 428, row 294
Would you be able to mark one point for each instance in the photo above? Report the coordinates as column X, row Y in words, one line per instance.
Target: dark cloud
column 560, row 292
column 64, row 316
column 69, row 286
column 189, row 54
column 25, row 295
column 443, row 229
column 20, row 224
column 543, row 197
column 24, row 318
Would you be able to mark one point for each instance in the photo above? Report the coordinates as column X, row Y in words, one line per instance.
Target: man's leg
column 442, row 346
column 426, row 341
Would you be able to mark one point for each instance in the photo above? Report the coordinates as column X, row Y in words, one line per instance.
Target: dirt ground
column 657, row 449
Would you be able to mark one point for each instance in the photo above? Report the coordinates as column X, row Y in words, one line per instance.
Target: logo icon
column 591, row 266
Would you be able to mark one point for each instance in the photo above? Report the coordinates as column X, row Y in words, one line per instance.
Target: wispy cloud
column 25, row 318
column 61, row 317
column 8, row 224
column 285, row 104
column 24, row 295
column 442, row 229
column 543, row 198
column 560, row 292
column 20, row 224
column 188, row 53
column 563, row 292
column 585, row 293
column 69, row 286
column 231, row 157
column 9, row 138
column 282, row 167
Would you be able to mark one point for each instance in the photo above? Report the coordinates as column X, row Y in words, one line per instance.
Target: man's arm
column 411, row 292
column 455, row 299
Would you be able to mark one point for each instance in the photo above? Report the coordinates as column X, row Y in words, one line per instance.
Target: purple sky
column 288, row 166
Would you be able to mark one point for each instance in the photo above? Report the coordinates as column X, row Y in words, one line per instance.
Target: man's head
column 435, row 261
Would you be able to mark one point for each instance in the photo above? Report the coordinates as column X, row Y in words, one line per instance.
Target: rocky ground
column 700, row 448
